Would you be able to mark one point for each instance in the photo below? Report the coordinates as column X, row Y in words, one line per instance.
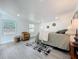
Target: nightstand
column 25, row 36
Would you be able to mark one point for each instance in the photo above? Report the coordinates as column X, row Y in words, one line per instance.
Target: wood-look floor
column 20, row 51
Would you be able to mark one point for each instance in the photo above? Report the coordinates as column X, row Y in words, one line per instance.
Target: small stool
column 17, row 39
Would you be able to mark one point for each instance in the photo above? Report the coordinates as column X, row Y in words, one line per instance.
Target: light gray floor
column 20, row 51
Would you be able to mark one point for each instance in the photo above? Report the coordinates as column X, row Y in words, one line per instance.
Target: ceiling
column 37, row 9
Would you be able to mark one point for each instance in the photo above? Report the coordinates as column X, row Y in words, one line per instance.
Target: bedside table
column 25, row 36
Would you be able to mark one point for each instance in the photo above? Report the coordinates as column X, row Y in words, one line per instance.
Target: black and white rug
column 41, row 48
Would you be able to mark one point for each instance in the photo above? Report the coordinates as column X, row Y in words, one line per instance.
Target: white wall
column 62, row 22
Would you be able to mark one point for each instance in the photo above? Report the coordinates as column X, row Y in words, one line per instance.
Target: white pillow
column 71, row 31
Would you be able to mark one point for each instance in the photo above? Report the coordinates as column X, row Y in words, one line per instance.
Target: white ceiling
column 37, row 9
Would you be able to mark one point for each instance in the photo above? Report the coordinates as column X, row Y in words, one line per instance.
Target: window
column 9, row 27
column 31, row 28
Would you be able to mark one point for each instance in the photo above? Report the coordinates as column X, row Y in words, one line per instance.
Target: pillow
column 70, row 32
column 61, row 31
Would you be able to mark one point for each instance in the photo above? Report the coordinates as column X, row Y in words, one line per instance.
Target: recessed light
column 18, row 14
column 56, row 17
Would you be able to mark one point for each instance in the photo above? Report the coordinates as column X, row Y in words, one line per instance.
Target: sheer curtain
column 8, row 30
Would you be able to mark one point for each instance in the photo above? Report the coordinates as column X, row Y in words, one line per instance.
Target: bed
column 60, row 41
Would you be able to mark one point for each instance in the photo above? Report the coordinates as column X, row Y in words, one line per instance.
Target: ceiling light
column 56, row 17
column 18, row 14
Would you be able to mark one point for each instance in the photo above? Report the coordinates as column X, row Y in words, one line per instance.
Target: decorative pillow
column 61, row 31
column 70, row 32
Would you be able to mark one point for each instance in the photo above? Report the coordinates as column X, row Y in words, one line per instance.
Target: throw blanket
column 43, row 35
